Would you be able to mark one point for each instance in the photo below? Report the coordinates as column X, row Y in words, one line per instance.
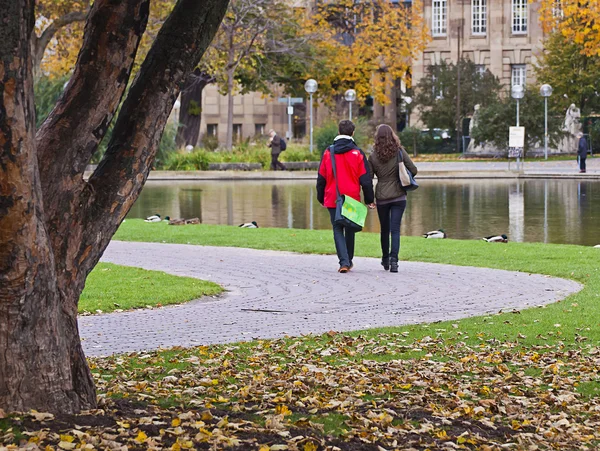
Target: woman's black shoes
column 393, row 265
column 385, row 262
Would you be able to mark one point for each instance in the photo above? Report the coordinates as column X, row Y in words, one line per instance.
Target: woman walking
column 389, row 195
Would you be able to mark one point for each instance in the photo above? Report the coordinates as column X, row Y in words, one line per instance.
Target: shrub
column 326, row 133
column 299, row 152
column 188, row 161
column 210, row 143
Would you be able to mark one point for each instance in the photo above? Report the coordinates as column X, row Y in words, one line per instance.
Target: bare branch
column 41, row 43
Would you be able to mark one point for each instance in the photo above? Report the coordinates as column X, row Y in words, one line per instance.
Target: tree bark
column 190, row 112
column 54, row 227
column 34, row 353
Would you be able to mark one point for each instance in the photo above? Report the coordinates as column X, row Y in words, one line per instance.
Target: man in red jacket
column 352, row 174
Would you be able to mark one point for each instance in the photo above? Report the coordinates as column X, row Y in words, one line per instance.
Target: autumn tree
column 54, row 225
column 572, row 74
column 367, row 46
column 577, row 20
column 436, row 93
column 59, row 32
column 251, row 32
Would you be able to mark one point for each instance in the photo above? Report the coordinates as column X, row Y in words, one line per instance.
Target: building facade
column 502, row 36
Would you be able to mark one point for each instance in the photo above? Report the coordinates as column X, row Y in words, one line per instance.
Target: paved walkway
column 272, row 294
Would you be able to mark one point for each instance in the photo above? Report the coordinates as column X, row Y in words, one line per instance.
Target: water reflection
column 551, row 211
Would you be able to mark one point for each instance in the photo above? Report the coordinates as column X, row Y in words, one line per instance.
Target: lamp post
column 545, row 92
column 311, row 86
column 350, row 96
column 517, row 92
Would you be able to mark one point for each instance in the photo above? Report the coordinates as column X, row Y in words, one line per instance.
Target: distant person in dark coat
column 275, row 145
column 582, row 150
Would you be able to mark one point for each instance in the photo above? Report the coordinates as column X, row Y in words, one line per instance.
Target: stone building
column 502, row 36
column 254, row 114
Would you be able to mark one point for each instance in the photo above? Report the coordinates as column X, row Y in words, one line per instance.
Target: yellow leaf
column 66, row 438
column 310, row 446
column 141, row 437
column 176, row 422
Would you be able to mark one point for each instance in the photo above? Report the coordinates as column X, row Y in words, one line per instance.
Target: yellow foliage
column 577, row 20
column 367, row 45
column 61, row 54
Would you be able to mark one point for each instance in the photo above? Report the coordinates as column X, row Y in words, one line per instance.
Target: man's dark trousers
column 344, row 241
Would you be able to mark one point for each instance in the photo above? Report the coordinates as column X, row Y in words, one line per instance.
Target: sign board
column 516, row 142
column 516, row 137
column 293, row 100
column 290, row 110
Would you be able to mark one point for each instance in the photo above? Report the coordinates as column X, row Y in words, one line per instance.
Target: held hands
column 371, row 205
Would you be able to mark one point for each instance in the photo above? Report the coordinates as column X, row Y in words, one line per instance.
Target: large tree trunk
column 54, row 226
column 190, row 112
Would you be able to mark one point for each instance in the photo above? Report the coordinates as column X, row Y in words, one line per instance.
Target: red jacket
column 352, row 174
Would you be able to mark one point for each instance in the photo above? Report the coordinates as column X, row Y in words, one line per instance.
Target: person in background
column 275, row 145
column 389, row 195
column 352, row 174
column 582, row 149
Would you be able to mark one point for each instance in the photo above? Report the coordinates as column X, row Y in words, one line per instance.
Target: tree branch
column 91, row 97
column 41, row 43
column 119, row 178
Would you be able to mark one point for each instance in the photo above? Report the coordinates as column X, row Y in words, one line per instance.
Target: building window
column 479, row 17
column 237, row 132
column 519, row 16
column 518, row 74
column 440, row 17
column 212, row 129
column 480, row 69
column 259, row 129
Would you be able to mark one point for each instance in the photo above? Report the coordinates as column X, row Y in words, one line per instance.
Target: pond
column 549, row 211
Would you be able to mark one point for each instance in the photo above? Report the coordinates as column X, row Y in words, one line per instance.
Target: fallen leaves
column 291, row 395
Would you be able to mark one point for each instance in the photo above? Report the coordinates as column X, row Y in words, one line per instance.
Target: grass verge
column 112, row 287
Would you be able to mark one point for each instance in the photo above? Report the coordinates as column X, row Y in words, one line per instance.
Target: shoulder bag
column 407, row 180
column 349, row 212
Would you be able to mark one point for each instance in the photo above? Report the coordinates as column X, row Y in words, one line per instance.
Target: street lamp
column 311, row 87
column 350, row 96
column 545, row 92
column 517, row 92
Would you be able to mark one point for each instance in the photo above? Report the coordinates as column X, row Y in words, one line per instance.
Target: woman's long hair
column 387, row 144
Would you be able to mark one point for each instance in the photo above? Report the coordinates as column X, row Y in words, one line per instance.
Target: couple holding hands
column 353, row 171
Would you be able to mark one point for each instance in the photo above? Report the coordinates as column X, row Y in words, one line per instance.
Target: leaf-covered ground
column 335, row 392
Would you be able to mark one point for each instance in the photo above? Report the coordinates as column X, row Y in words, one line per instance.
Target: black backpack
column 282, row 145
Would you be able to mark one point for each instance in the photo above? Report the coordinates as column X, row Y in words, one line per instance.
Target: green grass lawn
column 575, row 318
column 112, row 287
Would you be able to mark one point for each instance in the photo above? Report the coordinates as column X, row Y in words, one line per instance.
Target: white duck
column 155, row 218
column 435, row 234
column 249, row 225
column 496, row 239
